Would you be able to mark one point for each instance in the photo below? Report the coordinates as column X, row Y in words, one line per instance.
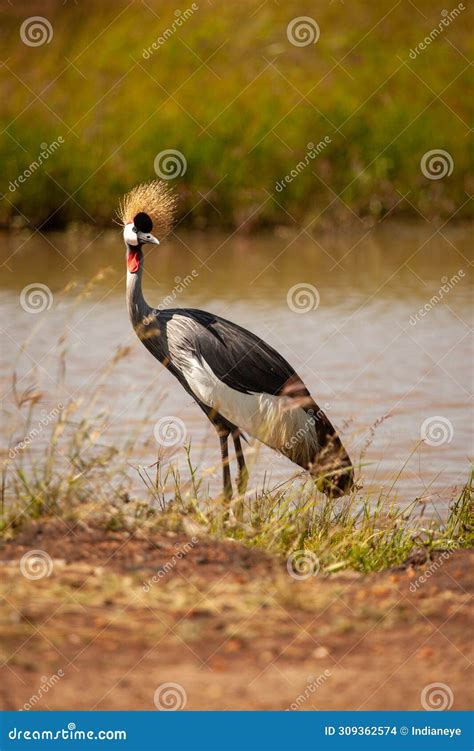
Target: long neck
column 138, row 308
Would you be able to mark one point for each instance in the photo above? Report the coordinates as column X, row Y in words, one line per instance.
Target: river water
column 343, row 309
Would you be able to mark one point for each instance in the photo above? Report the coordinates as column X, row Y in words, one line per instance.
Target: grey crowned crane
column 241, row 383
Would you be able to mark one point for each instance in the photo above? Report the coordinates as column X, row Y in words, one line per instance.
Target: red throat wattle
column 133, row 261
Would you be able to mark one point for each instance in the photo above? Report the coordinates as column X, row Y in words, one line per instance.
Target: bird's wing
column 240, row 359
column 230, row 369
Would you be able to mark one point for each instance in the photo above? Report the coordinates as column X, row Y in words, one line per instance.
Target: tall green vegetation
column 229, row 91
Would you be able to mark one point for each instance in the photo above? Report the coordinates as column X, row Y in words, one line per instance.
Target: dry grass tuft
column 156, row 199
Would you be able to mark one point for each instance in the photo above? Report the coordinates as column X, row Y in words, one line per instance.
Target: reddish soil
column 225, row 622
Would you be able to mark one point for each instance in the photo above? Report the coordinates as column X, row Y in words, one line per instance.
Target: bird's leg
column 225, row 465
column 243, row 476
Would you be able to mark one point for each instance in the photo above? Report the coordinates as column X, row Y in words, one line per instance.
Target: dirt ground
column 119, row 614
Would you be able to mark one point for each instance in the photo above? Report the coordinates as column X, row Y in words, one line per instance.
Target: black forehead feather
column 143, row 222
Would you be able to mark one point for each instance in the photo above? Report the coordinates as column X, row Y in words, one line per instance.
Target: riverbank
column 280, row 601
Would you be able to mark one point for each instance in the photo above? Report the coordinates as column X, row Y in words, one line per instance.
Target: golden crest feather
column 154, row 198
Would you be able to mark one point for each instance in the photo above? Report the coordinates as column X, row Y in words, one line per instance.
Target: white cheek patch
column 129, row 235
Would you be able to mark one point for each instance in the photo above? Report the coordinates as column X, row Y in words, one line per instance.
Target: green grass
column 361, row 532
column 82, row 479
column 242, row 118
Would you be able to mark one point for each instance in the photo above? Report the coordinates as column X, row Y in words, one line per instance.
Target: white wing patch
column 274, row 420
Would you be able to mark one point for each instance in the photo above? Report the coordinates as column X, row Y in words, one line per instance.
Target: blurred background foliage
column 230, row 92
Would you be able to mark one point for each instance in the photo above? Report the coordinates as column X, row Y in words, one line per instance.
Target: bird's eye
column 134, row 229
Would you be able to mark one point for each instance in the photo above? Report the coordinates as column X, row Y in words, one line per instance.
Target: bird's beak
column 145, row 237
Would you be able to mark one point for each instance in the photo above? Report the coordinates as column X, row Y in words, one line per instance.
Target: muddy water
column 381, row 369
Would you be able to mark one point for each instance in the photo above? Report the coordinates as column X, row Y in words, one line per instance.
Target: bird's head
column 136, row 233
column 146, row 211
